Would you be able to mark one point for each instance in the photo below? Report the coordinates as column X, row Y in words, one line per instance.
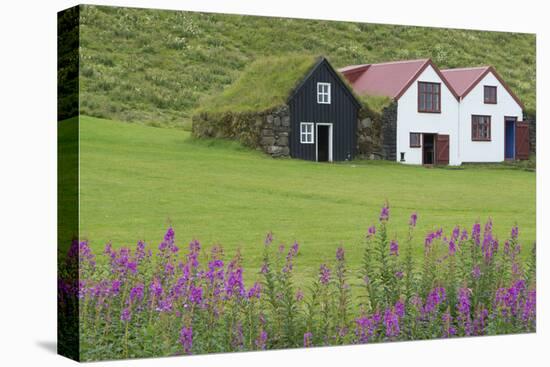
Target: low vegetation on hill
column 156, row 66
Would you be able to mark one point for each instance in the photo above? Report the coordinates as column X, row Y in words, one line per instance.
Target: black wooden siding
column 341, row 112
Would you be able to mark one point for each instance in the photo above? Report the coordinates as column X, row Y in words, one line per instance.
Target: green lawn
column 137, row 180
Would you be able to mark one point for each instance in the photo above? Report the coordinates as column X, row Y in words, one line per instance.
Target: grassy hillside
column 154, row 66
column 137, row 180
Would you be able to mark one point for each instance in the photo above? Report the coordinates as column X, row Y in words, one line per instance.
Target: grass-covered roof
column 264, row 84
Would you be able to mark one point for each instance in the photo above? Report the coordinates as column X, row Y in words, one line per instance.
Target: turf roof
column 264, row 84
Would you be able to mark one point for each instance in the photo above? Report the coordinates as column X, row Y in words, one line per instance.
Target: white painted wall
column 410, row 120
column 472, row 104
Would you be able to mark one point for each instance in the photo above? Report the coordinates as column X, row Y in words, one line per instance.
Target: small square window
column 323, row 93
column 489, row 94
column 414, row 140
column 306, row 133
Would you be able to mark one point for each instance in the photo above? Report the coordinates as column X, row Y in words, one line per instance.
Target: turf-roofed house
column 297, row 106
column 445, row 116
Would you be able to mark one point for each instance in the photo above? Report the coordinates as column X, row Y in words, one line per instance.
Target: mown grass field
column 137, row 180
column 156, row 66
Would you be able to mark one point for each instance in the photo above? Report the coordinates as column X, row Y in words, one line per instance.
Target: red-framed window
column 429, row 97
column 481, row 128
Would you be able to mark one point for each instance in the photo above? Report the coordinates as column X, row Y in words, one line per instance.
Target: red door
column 442, row 149
column 522, row 140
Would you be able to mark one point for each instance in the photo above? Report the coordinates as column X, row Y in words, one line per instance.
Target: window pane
column 436, row 102
column 422, row 102
column 428, row 104
column 421, row 87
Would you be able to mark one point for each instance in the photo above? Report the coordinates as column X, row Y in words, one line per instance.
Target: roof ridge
column 467, row 68
column 401, row 61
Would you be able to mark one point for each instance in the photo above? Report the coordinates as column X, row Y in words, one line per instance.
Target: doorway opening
column 428, row 149
column 510, row 138
column 324, row 143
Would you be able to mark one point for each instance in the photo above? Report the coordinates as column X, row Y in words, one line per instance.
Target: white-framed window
column 306, row 132
column 323, row 93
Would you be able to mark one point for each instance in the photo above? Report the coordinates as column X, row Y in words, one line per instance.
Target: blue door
column 510, row 140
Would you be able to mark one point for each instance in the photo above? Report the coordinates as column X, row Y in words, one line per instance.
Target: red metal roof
column 463, row 79
column 384, row 79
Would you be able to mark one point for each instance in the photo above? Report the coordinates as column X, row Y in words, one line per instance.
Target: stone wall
column 389, row 132
column 267, row 131
column 376, row 133
column 531, row 119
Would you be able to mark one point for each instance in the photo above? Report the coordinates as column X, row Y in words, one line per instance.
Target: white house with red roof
column 446, row 116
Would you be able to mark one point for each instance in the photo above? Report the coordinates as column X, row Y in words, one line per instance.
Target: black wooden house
column 297, row 106
column 323, row 116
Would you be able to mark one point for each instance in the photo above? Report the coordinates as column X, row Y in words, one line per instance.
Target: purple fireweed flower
column 448, row 329
column 140, row 251
column 463, row 310
column 324, row 274
column 391, row 322
column 85, row 255
column 264, row 269
column 399, row 308
column 514, row 233
column 412, row 219
column 371, row 232
column 394, row 248
column 385, row 213
column 480, row 321
column 156, row 287
column 340, row 254
column 126, row 314
column 299, row 295
column 399, row 274
column 195, row 294
column 529, row 306
column 464, row 235
column 476, row 232
column 186, row 339
column 261, row 341
column 268, row 238
column 234, row 283
column 307, row 339
column 136, row 293
column 436, row 297
column 476, row 272
column 294, row 248
column 365, row 327
column 456, row 233
column 254, row 291
column 452, row 247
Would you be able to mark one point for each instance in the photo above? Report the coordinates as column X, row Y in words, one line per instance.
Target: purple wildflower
column 186, row 339
column 385, row 213
column 412, row 220
column 195, row 294
column 126, row 314
column 254, row 291
column 156, row 287
column 452, row 247
column 261, row 341
column 448, row 329
column 394, row 248
column 463, row 310
column 340, row 254
column 515, row 232
column 371, row 232
column 299, row 295
column 268, row 238
column 391, row 321
column 476, row 232
column 399, row 274
column 324, row 274
column 399, row 308
column 136, row 293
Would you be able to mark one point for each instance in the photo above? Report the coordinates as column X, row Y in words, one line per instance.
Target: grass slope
column 136, row 180
column 155, row 66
